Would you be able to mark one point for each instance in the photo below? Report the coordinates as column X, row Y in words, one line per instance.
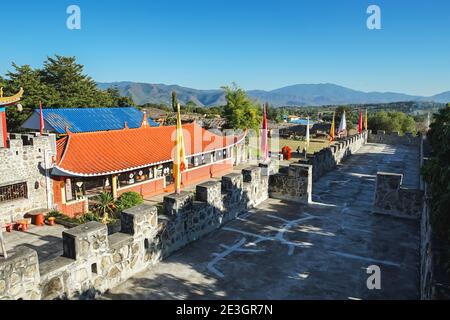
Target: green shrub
column 90, row 216
column 129, row 200
column 55, row 214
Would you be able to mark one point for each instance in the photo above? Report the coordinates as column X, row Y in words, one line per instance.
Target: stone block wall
column 326, row 159
column 95, row 262
column 24, row 161
column 19, row 275
column 394, row 138
column 190, row 216
column 295, row 185
column 434, row 279
column 392, row 198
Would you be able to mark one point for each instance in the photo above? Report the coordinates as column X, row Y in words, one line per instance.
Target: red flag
column 264, row 138
column 41, row 118
column 360, row 122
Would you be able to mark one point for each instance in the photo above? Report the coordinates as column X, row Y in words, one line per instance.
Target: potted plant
column 51, row 221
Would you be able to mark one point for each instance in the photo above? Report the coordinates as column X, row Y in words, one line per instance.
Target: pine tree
column 174, row 101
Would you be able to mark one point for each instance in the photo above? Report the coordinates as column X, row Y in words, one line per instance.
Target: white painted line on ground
column 352, row 256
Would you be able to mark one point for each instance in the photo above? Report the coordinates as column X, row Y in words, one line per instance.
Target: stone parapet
column 295, row 185
column 94, row 262
column 394, row 138
column 327, row 159
column 392, row 198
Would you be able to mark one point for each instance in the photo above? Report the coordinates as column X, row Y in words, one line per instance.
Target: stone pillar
column 295, row 186
column 209, row 192
column 86, row 241
column 114, row 186
column 232, row 181
column 139, row 221
column 175, row 203
column 251, row 174
column 387, row 191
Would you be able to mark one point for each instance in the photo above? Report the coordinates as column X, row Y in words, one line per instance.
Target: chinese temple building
column 139, row 160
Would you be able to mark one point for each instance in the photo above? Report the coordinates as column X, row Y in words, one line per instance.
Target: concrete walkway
column 289, row 251
column 46, row 240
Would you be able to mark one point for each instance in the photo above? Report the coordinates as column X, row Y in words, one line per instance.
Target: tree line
column 436, row 172
column 60, row 83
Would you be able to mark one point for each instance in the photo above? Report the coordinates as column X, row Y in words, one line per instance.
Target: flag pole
column 41, row 118
column 179, row 161
column 332, row 129
column 307, row 134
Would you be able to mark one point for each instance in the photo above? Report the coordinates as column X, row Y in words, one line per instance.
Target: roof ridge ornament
column 144, row 123
column 12, row 99
column 68, row 132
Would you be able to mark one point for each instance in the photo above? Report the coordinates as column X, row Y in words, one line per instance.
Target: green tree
column 274, row 114
column 240, row 111
column 393, row 121
column 60, row 84
column 160, row 106
column 174, row 101
column 75, row 89
column 437, row 172
column 118, row 100
column 350, row 116
column 216, row 111
column 35, row 90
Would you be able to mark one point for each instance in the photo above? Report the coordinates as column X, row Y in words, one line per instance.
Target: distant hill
column 161, row 93
column 295, row 95
column 443, row 97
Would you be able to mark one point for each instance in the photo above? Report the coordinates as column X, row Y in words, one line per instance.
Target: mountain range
column 295, row 95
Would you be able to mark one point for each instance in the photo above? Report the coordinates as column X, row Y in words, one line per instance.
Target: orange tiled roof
column 107, row 152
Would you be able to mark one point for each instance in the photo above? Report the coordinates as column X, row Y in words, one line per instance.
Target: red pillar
column 3, row 132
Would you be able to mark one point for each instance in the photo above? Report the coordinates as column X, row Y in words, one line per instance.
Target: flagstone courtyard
column 289, row 251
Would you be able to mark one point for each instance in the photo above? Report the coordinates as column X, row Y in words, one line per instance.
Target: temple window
column 151, row 173
column 13, row 192
column 77, row 189
column 159, row 171
column 132, row 177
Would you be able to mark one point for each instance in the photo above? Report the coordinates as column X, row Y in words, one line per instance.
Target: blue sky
column 260, row 44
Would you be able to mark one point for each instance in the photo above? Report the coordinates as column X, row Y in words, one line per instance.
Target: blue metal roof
column 88, row 119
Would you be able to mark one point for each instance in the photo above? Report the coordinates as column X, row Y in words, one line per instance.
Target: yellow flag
column 179, row 161
column 332, row 130
column 366, row 122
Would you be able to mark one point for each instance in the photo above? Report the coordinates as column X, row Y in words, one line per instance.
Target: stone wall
column 394, row 138
column 326, row 159
column 294, row 185
column 190, row 216
column 393, row 199
column 434, row 279
column 24, row 161
column 94, row 261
